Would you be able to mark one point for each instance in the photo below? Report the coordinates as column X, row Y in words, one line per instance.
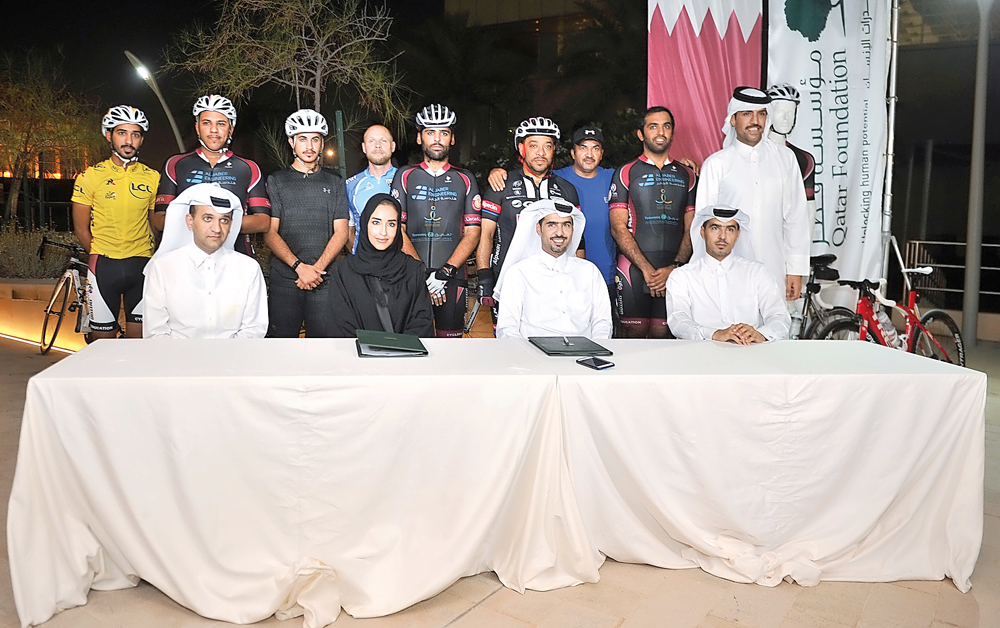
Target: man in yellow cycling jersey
column 112, row 204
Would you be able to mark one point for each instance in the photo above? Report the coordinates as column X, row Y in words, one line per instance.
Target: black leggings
column 288, row 308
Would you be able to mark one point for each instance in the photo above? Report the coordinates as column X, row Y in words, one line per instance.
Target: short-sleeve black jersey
column 436, row 209
column 505, row 206
column 656, row 200
column 807, row 164
column 306, row 206
column 240, row 176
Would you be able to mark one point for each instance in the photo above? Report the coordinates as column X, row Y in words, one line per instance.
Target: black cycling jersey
column 505, row 206
column 240, row 176
column 656, row 200
column 436, row 209
column 807, row 164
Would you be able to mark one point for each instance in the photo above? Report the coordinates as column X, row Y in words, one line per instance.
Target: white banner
column 837, row 56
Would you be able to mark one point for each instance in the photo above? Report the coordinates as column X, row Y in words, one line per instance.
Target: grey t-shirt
column 306, row 205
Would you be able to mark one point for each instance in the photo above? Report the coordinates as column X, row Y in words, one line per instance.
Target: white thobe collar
column 726, row 263
column 556, row 264
column 745, row 150
column 199, row 257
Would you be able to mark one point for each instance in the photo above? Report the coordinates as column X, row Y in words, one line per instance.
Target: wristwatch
column 296, row 264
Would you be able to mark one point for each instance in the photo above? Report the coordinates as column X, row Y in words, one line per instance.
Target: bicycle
column 69, row 283
column 817, row 313
column 934, row 335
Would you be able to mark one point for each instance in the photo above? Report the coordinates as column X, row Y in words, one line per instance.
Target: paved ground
column 627, row 595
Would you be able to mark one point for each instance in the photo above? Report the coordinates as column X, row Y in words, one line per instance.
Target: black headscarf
column 389, row 278
column 387, row 265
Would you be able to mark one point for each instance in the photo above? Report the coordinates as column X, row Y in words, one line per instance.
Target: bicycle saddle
column 822, row 260
column 825, row 273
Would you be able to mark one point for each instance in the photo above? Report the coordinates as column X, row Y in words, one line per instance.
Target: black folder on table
column 380, row 344
column 568, row 345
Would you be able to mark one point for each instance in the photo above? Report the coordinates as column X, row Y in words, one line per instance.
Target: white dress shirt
column 766, row 183
column 554, row 296
column 708, row 295
column 191, row 294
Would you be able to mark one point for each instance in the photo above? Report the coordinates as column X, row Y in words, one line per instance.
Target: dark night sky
column 93, row 36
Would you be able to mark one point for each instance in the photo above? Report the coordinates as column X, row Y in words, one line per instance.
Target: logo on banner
column 809, row 17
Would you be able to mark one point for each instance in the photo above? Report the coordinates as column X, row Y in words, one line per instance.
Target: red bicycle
column 935, row 334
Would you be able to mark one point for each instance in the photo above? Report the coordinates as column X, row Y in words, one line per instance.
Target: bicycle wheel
column 840, row 329
column 823, row 318
column 948, row 346
column 54, row 312
column 844, row 329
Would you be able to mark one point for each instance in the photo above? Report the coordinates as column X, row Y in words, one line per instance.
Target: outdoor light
column 150, row 80
column 329, row 152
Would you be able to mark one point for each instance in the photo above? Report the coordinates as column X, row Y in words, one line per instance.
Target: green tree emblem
column 809, row 17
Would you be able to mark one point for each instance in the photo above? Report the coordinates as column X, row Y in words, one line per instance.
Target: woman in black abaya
column 380, row 288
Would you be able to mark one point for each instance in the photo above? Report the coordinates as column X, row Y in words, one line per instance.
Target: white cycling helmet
column 436, row 117
column 535, row 126
column 214, row 102
column 306, row 121
column 783, row 91
column 123, row 114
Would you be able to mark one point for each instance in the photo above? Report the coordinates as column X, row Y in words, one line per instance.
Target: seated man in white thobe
column 204, row 289
column 544, row 289
column 723, row 294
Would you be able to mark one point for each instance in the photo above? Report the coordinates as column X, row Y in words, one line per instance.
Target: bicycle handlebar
column 820, row 302
column 75, row 249
column 877, row 292
column 871, row 287
column 922, row 270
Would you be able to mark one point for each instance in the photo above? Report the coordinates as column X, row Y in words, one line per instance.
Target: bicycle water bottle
column 888, row 330
column 796, row 329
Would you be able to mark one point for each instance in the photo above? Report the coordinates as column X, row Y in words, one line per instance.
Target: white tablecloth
column 247, row 477
column 815, row 460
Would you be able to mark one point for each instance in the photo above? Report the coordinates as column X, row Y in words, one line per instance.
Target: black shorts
column 634, row 302
column 449, row 317
column 109, row 282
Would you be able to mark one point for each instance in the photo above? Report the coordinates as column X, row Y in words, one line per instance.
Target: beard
column 531, row 166
column 656, row 150
column 435, row 154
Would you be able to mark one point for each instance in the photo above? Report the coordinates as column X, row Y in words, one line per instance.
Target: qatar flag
column 699, row 51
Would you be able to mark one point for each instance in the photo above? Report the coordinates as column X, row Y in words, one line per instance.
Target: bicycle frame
column 74, row 267
column 82, row 311
column 870, row 323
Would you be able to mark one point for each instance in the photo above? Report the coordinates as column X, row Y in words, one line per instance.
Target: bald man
column 378, row 147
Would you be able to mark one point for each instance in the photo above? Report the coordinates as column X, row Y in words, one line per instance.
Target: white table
column 814, row 460
column 248, row 477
